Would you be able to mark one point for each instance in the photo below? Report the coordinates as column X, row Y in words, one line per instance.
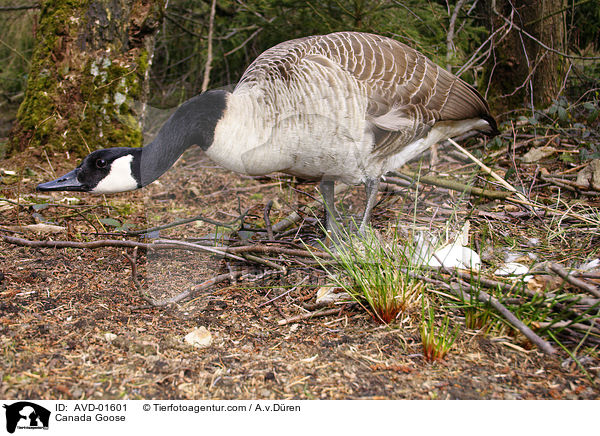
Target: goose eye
column 100, row 163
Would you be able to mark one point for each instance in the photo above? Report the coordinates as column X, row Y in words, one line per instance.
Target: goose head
column 121, row 169
column 102, row 172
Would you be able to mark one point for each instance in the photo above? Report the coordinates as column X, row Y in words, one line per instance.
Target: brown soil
column 74, row 326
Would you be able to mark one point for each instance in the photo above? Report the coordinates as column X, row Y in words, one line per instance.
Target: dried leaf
column 330, row 294
column 590, row 175
column 536, row 154
column 110, row 222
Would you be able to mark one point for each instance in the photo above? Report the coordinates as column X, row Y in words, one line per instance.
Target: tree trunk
column 89, row 75
column 525, row 71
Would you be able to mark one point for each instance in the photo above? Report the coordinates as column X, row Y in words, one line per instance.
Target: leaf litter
column 74, row 325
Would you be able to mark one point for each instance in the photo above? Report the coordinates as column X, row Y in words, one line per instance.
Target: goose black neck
column 193, row 123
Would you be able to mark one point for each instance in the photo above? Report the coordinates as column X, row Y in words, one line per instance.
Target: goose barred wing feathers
column 404, row 92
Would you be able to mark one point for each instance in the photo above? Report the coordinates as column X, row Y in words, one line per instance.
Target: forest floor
column 75, row 325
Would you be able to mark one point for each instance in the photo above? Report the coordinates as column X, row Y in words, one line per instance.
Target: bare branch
column 268, row 207
column 564, row 274
column 209, row 55
column 246, row 41
column 450, row 48
column 198, row 288
column 310, row 315
column 492, row 301
column 540, row 43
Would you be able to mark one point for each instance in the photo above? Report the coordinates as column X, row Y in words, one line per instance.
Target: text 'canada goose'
column 346, row 106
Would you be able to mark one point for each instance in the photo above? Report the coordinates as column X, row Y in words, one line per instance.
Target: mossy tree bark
column 89, row 73
column 524, row 70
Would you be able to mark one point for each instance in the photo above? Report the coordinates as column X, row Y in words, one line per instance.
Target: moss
column 37, row 110
column 79, row 99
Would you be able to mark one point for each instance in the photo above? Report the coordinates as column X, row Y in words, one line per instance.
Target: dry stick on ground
column 507, row 314
column 570, row 185
column 562, row 272
column 232, row 275
column 310, row 315
column 488, row 170
column 90, row 245
column 229, row 225
column 266, row 262
column 271, row 249
column 565, row 324
column 283, row 293
column 160, row 244
column 449, row 184
column 268, row 207
column 170, row 245
column 209, row 50
column 507, row 287
column 197, row 247
column 136, row 282
column 199, row 288
column 521, row 198
column 173, row 244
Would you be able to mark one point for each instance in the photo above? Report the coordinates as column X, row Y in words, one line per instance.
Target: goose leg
column 327, row 191
column 372, row 189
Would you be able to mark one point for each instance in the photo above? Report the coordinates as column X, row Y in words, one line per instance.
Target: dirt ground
column 74, row 326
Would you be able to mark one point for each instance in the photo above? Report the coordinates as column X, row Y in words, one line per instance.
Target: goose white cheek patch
column 119, row 179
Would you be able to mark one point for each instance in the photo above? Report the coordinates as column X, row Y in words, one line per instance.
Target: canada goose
column 346, row 106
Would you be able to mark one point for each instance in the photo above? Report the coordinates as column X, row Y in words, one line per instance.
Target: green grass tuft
column 437, row 341
column 376, row 275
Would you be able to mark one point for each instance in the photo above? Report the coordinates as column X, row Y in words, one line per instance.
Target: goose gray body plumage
column 346, row 106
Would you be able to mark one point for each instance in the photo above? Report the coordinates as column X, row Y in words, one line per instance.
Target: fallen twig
column 310, row 315
column 268, row 225
column 509, row 316
column 522, row 200
column 197, row 247
column 509, row 287
column 132, row 261
column 449, row 184
column 198, row 288
column 229, row 225
column 283, row 294
column 562, row 272
column 266, row 262
column 272, row 249
column 160, row 244
column 570, row 185
column 166, row 244
column 488, row 170
column 71, row 244
column 565, row 324
column 484, row 297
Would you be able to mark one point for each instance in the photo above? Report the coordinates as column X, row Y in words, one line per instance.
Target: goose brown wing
column 407, row 93
column 278, row 62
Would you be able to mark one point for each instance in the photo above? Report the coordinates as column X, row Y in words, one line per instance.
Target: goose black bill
column 68, row 182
